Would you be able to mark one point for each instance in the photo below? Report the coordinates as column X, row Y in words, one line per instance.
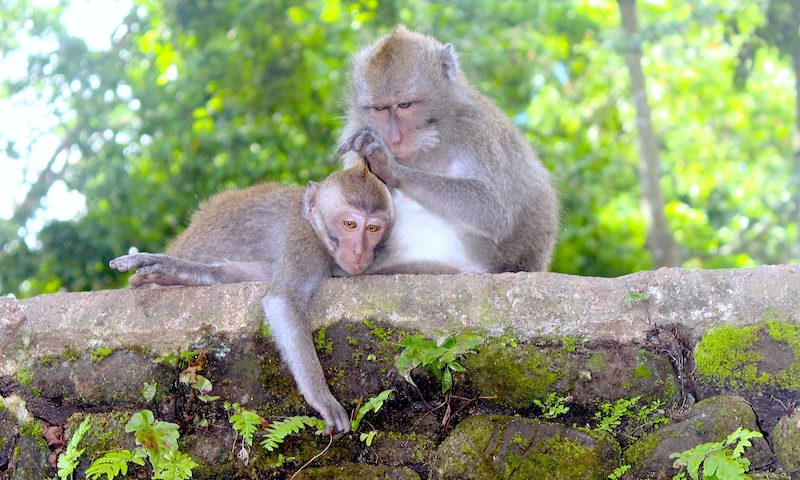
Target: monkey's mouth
column 354, row 269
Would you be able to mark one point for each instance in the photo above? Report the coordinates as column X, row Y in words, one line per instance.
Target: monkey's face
column 353, row 236
column 398, row 123
column 350, row 218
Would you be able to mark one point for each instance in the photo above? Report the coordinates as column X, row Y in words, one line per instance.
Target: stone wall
column 711, row 350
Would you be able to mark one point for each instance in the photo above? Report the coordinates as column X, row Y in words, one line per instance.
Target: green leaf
column 245, row 422
column 447, row 381
column 149, row 390
column 375, row 403
column 278, row 431
column 68, row 461
column 113, row 464
column 175, row 466
column 368, row 437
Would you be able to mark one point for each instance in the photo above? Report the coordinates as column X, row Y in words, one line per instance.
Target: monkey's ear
column 362, row 167
column 449, row 60
column 310, row 199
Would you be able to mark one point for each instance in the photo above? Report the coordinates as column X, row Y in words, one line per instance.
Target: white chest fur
column 421, row 236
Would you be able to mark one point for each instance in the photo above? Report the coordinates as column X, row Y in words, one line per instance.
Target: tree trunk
column 795, row 46
column 660, row 241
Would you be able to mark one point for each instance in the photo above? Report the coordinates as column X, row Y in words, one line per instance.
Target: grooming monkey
column 469, row 193
column 289, row 238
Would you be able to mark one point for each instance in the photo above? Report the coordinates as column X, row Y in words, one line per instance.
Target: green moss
column 34, row 430
column 25, row 375
column 100, row 353
column 70, row 354
column 515, row 376
column 640, row 451
column 107, row 432
column 321, row 343
column 557, row 457
column 642, row 371
column 381, row 334
column 597, row 362
column 725, row 354
column 730, row 355
column 569, row 344
column 264, row 330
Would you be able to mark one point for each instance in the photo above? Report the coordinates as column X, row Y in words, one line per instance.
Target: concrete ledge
column 525, row 305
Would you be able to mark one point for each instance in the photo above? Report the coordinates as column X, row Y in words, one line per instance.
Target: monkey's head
column 351, row 212
column 403, row 86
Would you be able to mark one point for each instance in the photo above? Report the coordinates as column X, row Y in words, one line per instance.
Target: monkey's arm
column 298, row 276
column 472, row 202
column 164, row 269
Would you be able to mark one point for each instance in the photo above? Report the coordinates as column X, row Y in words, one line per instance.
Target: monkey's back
column 255, row 224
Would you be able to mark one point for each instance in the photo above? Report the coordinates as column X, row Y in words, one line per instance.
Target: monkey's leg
column 292, row 334
column 164, row 269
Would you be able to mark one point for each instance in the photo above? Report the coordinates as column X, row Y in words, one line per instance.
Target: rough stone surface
column 786, row 442
column 500, row 446
column 8, row 433
column 589, row 374
column 710, row 420
column 74, row 384
column 525, row 305
column 358, row 472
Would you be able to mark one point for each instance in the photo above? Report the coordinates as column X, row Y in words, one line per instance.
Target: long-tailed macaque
column 469, row 193
column 289, row 238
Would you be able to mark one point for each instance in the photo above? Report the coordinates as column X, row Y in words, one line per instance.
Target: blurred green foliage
column 198, row 96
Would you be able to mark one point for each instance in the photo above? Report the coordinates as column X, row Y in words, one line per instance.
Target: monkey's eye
column 373, row 228
column 379, row 108
column 404, row 104
column 349, row 224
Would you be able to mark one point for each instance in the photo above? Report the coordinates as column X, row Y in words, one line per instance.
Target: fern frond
column 114, row 463
column 278, row 431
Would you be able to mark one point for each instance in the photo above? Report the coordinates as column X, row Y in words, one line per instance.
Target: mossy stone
column 785, row 438
column 753, row 357
column 500, row 446
column 358, row 471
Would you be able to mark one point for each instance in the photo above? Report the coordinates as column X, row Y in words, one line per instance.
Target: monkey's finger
column 371, row 148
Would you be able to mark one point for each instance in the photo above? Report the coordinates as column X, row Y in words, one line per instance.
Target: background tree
column 197, row 96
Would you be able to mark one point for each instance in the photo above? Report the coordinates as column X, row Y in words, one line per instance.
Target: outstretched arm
column 164, row 269
column 292, row 334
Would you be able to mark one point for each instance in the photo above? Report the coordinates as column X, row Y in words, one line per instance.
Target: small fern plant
column 68, row 461
column 245, row 423
column 278, row 431
column 157, row 442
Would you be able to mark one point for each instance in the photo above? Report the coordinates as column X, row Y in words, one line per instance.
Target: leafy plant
column 375, row 403
column 553, row 406
column 190, row 376
column 245, row 423
column 115, row 463
column 157, row 441
column 720, row 460
column 278, row 431
column 440, row 358
column 611, row 416
column 149, row 390
column 634, row 296
column 619, row 472
column 68, row 460
column 368, row 437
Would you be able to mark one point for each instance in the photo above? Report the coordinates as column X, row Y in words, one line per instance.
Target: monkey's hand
column 366, row 143
column 160, row 269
